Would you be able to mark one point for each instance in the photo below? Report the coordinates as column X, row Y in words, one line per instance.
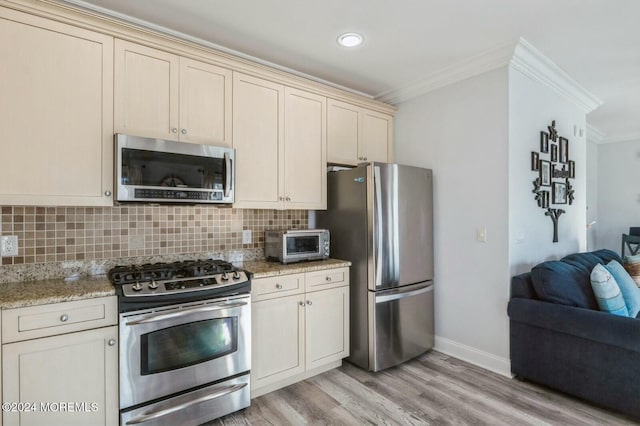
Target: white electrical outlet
column 246, row 236
column 9, row 246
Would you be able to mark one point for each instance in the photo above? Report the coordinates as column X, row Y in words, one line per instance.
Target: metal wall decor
column 552, row 187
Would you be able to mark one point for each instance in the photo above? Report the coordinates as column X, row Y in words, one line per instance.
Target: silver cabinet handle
column 112, row 342
column 174, row 130
column 279, row 286
column 281, row 198
column 64, row 317
column 309, row 302
column 148, row 416
column 301, row 303
column 107, row 193
column 328, row 279
column 365, row 158
column 288, row 198
column 183, row 131
column 359, row 158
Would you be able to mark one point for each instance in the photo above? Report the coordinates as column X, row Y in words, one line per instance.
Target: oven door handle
column 161, row 413
column 182, row 313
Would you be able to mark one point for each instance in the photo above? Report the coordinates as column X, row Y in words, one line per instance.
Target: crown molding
column 631, row 137
column 486, row 61
column 198, row 41
column 531, row 62
column 594, row 134
column 521, row 56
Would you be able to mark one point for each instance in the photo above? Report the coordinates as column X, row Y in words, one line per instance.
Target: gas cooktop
column 160, row 279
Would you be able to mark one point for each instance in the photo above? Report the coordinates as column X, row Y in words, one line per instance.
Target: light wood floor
column 433, row 389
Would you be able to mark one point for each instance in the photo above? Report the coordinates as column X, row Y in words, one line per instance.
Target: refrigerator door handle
column 398, row 296
column 378, row 222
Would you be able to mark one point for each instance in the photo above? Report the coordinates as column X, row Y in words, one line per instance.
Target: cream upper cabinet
column 280, row 142
column 56, row 113
column 305, row 150
column 205, row 103
column 258, row 117
column 161, row 95
column 356, row 134
column 377, row 136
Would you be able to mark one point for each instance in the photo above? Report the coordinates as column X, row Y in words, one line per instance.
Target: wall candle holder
column 554, row 171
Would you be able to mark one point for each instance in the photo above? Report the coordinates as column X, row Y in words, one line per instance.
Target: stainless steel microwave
column 296, row 245
column 162, row 171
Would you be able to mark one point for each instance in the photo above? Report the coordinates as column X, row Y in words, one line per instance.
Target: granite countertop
column 262, row 268
column 30, row 293
column 41, row 292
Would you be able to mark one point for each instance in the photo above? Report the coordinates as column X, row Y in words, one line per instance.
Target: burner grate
column 164, row 271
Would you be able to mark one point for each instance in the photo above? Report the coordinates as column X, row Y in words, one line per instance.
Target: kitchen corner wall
column 54, row 234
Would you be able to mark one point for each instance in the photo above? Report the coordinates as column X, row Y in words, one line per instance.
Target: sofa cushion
column 566, row 283
column 607, row 256
column 607, row 292
column 630, row 292
column 583, row 261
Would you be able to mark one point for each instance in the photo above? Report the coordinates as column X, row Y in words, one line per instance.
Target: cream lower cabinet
column 300, row 327
column 64, row 379
column 280, row 141
column 162, row 95
column 357, row 134
column 56, row 113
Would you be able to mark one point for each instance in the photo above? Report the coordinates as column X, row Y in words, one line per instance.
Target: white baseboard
column 474, row 356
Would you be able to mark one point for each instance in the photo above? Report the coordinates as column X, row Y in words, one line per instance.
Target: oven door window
column 188, row 344
column 303, row 245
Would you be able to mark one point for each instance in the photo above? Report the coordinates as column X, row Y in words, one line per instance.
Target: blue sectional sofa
column 560, row 339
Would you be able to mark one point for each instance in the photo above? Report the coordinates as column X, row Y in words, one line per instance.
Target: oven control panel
column 183, row 285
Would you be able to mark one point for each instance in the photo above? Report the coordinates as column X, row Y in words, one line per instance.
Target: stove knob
column 236, row 275
column 153, row 285
column 137, row 287
column 225, row 276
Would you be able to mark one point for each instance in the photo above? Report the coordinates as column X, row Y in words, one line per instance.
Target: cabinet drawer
column 47, row 320
column 281, row 285
column 328, row 278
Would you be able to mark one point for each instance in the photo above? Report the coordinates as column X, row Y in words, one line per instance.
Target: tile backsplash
column 54, row 234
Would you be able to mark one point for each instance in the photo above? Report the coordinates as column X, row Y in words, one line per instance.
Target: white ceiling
column 597, row 42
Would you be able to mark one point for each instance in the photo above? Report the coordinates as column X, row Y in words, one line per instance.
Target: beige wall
column 54, row 234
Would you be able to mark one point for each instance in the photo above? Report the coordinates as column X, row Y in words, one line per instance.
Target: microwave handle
column 228, row 172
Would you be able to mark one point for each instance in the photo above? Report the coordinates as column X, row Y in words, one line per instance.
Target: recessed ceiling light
column 350, row 40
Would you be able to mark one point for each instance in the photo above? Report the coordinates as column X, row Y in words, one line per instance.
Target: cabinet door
column 56, row 113
column 377, row 131
column 205, row 103
column 343, row 132
column 71, row 378
column 258, row 117
column 277, row 333
column 305, row 150
column 327, row 326
column 146, row 91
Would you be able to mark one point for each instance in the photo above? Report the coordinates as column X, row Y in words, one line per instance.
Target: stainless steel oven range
column 185, row 341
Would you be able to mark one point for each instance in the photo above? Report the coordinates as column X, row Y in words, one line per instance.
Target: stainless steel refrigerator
column 381, row 219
